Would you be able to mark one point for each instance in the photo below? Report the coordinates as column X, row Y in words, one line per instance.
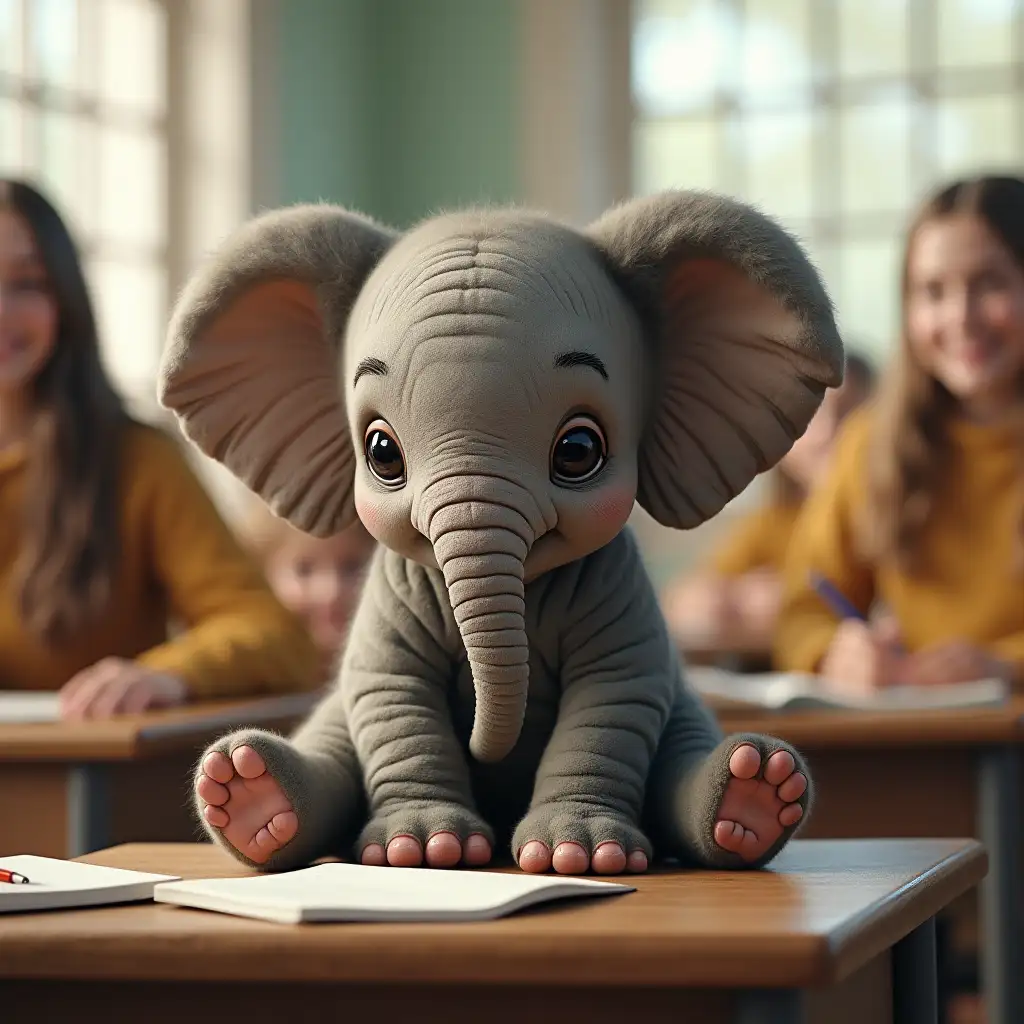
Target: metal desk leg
column 915, row 978
column 88, row 809
column 770, row 1006
column 999, row 813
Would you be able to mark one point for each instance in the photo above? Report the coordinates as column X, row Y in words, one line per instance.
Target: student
column 735, row 595
column 318, row 579
column 105, row 532
column 923, row 507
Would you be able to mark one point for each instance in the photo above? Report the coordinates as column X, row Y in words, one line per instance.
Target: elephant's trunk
column 481, row 548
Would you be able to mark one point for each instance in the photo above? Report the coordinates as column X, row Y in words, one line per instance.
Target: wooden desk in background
column 834, row 933
column 68, row 788
column 736, row 653
column 924, row 774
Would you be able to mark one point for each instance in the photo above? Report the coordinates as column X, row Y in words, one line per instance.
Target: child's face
column 808, row 459
column 28, row 312
column 321, row 581
column 965, row 309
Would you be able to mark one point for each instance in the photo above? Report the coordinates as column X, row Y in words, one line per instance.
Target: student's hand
column 115, row 686
column 862, row 658
column 955, row 662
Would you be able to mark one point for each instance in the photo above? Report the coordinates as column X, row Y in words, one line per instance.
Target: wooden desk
column 837, row 932
column 725, row 650
column 67, row 788
column 925, row 774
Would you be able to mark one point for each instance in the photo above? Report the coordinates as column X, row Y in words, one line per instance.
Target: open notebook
column 63, row 884
column 357, row 892
column 794, row 690
column 19, row 707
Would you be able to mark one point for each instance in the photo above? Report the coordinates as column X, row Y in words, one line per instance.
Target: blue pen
column 836, row 600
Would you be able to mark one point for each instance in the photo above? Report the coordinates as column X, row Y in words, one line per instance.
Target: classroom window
column 833, row 116
column 84, row 114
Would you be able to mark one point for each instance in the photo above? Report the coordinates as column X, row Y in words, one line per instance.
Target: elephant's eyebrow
column 568, row 359
column 376, row 367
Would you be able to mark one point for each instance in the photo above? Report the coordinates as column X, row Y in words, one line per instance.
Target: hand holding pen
column 862, row 656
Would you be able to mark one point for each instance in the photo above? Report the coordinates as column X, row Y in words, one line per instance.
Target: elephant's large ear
column 743, row 337
column 252, row 363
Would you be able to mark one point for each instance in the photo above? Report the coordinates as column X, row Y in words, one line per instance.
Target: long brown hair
column 910, row 446
column 70, row 548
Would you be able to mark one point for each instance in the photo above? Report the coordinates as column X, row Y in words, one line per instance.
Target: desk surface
column 837, row 728
column 133, row 736
column 825, row 908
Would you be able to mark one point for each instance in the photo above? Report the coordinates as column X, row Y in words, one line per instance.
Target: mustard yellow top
column 758, row 541
column 971, row 583
column 179, row 560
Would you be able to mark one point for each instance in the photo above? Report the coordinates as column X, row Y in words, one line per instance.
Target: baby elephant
column 490, row 393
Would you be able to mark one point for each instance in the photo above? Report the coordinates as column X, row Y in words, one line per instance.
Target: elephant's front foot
column 443, row 835
column 573, row 838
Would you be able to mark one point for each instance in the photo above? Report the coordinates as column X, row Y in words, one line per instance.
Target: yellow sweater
column 178, row 560
column 758, row 541
column 971, row 584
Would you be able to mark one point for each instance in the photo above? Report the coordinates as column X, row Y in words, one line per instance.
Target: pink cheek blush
column 611, row 508
column 369, row 516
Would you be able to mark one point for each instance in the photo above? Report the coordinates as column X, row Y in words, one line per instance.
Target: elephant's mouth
column 548, row 552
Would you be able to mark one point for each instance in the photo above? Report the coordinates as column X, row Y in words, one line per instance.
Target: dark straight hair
column 70, row 534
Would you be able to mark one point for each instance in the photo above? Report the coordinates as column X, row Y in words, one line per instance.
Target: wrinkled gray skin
column 508, row 616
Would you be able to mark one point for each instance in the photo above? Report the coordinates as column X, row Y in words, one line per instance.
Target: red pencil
column 12, row 876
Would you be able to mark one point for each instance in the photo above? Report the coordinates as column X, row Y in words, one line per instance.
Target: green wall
column 398, row 107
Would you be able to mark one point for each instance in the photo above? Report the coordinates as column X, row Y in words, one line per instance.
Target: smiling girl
column 924, row 507
column 105, row 532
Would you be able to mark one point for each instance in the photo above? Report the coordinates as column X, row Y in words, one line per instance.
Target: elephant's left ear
column 743, row 337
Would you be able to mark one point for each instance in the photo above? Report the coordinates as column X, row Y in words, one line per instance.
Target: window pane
column 874, row 151
column 132, row 71
column 975, row 32
column 776, row 48
column 53, row 34
column 872, row 37
column 12, row 142
column 779, row 161
column 132, row 190
column 676, row 154
column 682, row 52
column 867, row 295
column 10, row 37
column 130, row 300
column 976, row 133
column 63, row 151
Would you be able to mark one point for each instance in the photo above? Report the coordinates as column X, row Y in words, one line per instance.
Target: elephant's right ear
column 251, row 367
column 742, row 339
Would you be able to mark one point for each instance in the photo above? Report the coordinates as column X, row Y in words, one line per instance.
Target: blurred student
column 105, row 532
column 319, row 579
column 923, row 507
column 735, row 595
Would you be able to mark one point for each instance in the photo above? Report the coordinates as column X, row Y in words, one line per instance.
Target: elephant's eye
column 579, row 452
column 384, row 454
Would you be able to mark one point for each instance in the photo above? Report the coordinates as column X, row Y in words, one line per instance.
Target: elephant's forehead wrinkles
column 494, row 276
